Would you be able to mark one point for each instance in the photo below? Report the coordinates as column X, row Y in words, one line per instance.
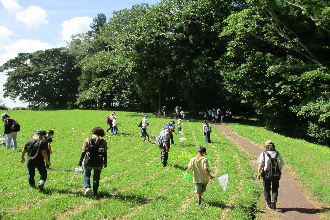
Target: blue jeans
column 31, row 173
column 10, row 136
column 96, row 179
column 114, row 130
column 207, row 137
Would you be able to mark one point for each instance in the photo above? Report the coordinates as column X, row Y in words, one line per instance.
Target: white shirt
column 261, row 159
column 144, row 122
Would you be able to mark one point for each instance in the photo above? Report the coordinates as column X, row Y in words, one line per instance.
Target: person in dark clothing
column 11, row 135
column 48, row 140
column 270, row 184
column 36, row 155
column 164, row 146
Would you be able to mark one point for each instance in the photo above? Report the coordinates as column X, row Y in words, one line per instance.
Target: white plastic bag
column 223, row 180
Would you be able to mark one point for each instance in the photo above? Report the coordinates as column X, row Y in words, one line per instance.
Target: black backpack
column 94, row 156
column 15, row 127
column 140, row 124
column 273, row 168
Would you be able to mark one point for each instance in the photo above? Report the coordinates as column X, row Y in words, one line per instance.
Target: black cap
column 201, row 149
column 41, row 132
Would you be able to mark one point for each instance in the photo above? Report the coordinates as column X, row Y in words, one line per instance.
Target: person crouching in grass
column 199, row 165
column 36, row 154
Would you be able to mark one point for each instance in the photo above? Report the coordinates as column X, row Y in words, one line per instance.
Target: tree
column 42, row 78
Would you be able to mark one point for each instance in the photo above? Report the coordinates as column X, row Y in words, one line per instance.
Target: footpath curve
column 292, row 202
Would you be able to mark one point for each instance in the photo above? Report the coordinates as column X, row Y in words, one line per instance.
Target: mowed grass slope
column 134, row 185
column 310, row 161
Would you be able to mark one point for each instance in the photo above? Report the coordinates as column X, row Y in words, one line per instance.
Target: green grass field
column 134, row 185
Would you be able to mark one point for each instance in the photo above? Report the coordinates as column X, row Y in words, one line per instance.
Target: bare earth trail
column 292, row 201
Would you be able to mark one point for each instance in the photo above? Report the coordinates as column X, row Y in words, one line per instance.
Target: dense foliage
column 261, row 58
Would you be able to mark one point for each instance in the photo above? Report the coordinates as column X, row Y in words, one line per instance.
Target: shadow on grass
column 180, row 167
column 218, row 204
column 127, row 198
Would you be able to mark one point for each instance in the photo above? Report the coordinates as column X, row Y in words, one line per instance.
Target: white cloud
column 32, row 16
column 4, row 36
column 11, row 6
column 75, row 25
column 22, row 46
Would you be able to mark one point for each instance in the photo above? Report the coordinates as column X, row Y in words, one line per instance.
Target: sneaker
column 198, row 202
column 33, row 186
column 273, row 204
column 268, row 206
column 87, row 192
column 41, row 188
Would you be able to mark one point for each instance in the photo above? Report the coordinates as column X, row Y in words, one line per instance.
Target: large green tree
column 42, row 78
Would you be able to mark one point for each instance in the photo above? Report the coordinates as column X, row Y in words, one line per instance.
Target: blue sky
column 28, row 26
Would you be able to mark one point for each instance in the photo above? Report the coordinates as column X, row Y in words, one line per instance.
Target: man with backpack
column 11, row 127
column 94, row 151
column 270, row 166
column 36, row 154
column 163, row 143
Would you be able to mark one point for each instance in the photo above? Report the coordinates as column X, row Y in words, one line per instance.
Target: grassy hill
column 134, row 185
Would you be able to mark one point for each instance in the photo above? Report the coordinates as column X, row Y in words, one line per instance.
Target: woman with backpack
column 94, row 155
column 11, row 135
column 270, row 166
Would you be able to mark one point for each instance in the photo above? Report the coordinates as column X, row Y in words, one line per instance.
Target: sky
column 28, row 26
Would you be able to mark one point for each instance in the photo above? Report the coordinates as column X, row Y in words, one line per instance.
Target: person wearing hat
column 11, row 135
column 272, row 183
column 144, row 128
column 36, row 157
column 164, row 144
column 199, row 165
column 207, row 131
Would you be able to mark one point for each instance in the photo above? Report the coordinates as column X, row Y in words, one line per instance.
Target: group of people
column 112, row 122
column 94, row 157
column 215, row 115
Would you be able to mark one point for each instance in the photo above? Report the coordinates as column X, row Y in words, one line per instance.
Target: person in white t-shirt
column 207, row 131
column 272, row 183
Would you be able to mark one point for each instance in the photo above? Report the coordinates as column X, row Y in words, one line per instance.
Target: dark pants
column 110, row 129
column 207, row 137
column 163, row 155
column 32, row 171
column 96, row 179
column 171, row 137
column 271, row 184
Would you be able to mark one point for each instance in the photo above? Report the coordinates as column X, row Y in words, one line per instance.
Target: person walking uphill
column 144, row 126
column 207, row 131
column 8, row 130
column 49, row 140
column 199, row 165
column 270, row 166
column 164, row 144
column 94, row 151
column 36, row 154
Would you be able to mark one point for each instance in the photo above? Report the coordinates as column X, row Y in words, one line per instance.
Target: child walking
column 199, row 165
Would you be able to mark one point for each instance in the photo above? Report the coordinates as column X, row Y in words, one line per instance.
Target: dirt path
column 292, row 201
